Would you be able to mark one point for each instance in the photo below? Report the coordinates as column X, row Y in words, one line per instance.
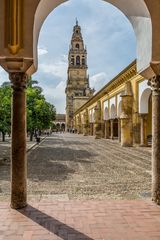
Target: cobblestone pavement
column 68, row 166
column 5, row 149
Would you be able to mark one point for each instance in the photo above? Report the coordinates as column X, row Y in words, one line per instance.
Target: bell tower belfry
column 78, row 90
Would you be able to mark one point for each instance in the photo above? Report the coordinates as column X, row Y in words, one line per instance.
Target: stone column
column 18, row 158
column 74, row 124
column 126, row 121
column 98, row 133
column 79, row 124
column 119, row 130
column 86, row 124
column 155, row 85
column 112, row 130
column 103, row 129
column 143, row 118
column 107, row 129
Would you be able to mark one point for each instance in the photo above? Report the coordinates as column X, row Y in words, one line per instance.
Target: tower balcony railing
column 78, row 51
column 78, row 66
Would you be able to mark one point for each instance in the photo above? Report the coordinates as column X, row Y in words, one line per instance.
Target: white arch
column 137, row 13
column 119, row 110
column 113, row 114
column 106, row 114
column 91, row 115
column 144, row 101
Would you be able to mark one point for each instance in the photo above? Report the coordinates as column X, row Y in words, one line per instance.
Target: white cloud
column 64, row 58
column 56, row 96
column 3, row 76
column 57, row 69
column 98, row 80
column 42, row 51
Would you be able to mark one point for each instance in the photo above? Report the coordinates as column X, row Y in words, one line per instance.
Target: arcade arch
column 18, row 56
column 145, row 111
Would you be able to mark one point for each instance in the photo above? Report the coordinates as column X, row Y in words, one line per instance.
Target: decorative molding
column 13, row 26
column 18, row 80
column 154, row 83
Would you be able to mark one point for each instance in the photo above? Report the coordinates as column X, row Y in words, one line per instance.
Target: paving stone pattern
column 81, row 220
column 71, row 166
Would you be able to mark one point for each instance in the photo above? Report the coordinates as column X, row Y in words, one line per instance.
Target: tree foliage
column 5, row 110
column 40, row 113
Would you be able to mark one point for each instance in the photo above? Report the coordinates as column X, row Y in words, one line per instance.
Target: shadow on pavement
column 53, row 225
column 54, row 163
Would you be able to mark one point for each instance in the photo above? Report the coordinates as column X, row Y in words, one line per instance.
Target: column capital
column 143, row 115
column 18, row 80
column 154, row 83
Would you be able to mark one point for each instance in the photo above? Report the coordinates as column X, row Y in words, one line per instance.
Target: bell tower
column 78, row 90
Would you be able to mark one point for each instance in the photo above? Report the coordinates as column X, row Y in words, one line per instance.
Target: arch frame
column 144, row 101
column 137, row 13
column 113, row 112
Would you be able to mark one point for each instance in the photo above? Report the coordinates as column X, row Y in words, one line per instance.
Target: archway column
column 112, row 128
column 126, row 121
column 106, row 129
column 18, row 158
column 103, row 129
column 79, row 125
column 98, row 127
column 143, row 118
column 119, row 130
column 155, row 85
column 86, row 124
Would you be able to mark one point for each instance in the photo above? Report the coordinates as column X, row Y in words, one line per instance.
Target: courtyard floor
column 68, row 166
column 82, row 188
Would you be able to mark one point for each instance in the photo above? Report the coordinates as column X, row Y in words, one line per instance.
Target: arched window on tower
column 72, row 61
column 83, row 61
column 78, row 60
column 77, row 46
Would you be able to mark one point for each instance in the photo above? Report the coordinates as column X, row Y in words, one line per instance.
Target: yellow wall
column 127, row 80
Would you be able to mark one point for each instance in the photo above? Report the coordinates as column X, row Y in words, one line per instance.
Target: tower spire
column 77, row 90
column 76, row 22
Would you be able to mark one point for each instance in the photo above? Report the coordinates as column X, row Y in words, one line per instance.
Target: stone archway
column 119, row 111
column 106, row 123
column 113, row 123
column 106, row 114
column 144, row 101
column 142, row 14
column 145, row 116
column 113, row 112
column 137, row 13
column 18, row 56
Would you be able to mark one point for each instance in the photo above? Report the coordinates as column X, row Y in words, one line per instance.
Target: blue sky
column 110, row 41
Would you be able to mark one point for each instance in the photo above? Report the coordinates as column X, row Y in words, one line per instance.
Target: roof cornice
column 125, row 75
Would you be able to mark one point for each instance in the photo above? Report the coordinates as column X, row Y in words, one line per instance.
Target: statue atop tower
column 78, row 90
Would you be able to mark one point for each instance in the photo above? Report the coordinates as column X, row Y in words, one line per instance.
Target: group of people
column 72, row 130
